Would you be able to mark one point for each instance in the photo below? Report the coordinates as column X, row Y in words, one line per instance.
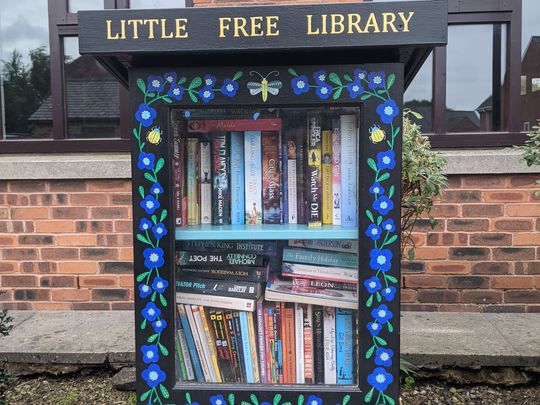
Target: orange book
column 289, row 356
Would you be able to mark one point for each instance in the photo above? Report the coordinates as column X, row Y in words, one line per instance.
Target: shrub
column 6, row 380
column 531, row 150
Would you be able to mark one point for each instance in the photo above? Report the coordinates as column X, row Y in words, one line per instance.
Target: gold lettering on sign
column 239, row 25
column 224, row 24
column 256, row 26
column 310, row 29
column 109, row 33
column 135, row 24
column 405, row 20
column 372, row 23
column 151, row 22
column 164, row 34
column 354, row 21
column 272, row 26
column 181, row 30
column 337, row 23
column 388, row 20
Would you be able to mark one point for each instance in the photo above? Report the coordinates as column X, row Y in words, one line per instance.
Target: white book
column 206, row 183
column 217, row 301
column 291, row 185
column 299, row 342
column 329, row 327
column 336, row 172
column 349, row 206
column 198, row 343
column 341, row 274
column 253, row 176
column 205, row 343
column 185, row 354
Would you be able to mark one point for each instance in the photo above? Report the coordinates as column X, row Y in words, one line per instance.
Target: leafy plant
column 6, row 380
column 531, row 150
column 69, row 398
column 422, row 180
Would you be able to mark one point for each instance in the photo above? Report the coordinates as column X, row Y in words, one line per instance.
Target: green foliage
column 132, row 400
column 422, row 179
column 6, row 380
column 70, row 398
column 531, row 150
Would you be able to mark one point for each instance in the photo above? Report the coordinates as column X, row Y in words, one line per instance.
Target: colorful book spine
column 221, row 193
column 253, row 347
column 336, row 172
column 179, row 164
column 314, row 192
column 205, row 177
column 240, row 289
column 190, row 343
column 291, row 186
column 349, row 215
column 345, row 246
column 259, row 274
column 318, row 344
column 237, row 178
column 344, row 346
column 253, row 177
column 180, row 364
column 299, row 342
column 211, row 339
column 289, row 351
column 301, row 168
column 326, row 169
column 193, row 181
column 330, row 345
column 284, row 343
column 323, row 284
column 261, row 124
column 271, row 178
column 261, row 343
column 261, row 247
column 308, row 344
column 222, row 350
column 225, row 343
column 231, row 338
column 240, row 344
column 278, row 343
column 198, row 343
column 319, row 272
column 248, row 363
column 271, row 346
column 320, row 258
column 184, row 258
column 283, row 164
column 218, row 301
column 205, row 345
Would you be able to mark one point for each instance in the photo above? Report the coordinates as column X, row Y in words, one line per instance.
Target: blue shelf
column 264, row 232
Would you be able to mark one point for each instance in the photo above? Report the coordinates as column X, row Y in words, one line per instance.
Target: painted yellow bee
column 377, row 134
column 154, row 136
column 264, row 87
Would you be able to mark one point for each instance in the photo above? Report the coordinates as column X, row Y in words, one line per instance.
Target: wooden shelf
column 264, row 232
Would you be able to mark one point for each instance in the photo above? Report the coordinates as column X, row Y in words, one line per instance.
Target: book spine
column 253, row 177
column 314, row 192
column 209, row 125
column 290, row 355
column 318, row 344
column 219, row 301
column 299, row 342
column 190, row 375
column 345, row 246
column 205, row 344
column 259, row 274
column 261, row 343
column 308, row 344
column 181, row 366
column 237, row 178
column 323, row 284
column 253, row 347
column 225, row 345
column 205, row 175
column 336, row 172
column 292, row 191
column 231, row 339
column 301, row 168
column 261, row 247
column 320, row 273
column 221, row 193
column 271, row 178
column 208, row 330
column 222, row 349
column 320, row 258
column 284, row 343
column 246, row 347
column 240, row 344
column 278, row 343
column 270, row 346
column 213, row 287
column 185, row 258
column 193, row 181
column 344, row 346
column 198, row 343
column 284, row 170
column 179, row 161
column 330, row 345
column 348, row 171
column 326, row 169
column 190, row 343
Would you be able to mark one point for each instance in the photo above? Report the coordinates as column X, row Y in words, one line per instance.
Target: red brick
column 505, row 196
column 76, row 240
column 70, row 212
column 30, row 213
column 78, row 267
column 116, row 267
column 447, row 239
column 121, row 199
column 447, row 267
column 32, row 295
column 500, row 309
column 36, row 239
column 425, row 225
column 512, row 282
column 19, row 254
column 484, row 181
column 54, row 226
column 490, row 268
column 125, row 254
column 482, row 296
column 26, row 186
column 67, row 185
column 48, row 199
column 98, row 281
column 19, row 281
column 3, row 186
column 420, row 281
column 125, row 239
column 491, row 239
column 444, row 210
column 527, row 239
column 533, row 309
column 17, row 199
column 8, row 267
column 4, row 214
column 469, row 253
column 128, row 281
column 513, row 253
column 122, row 306
column 462, row 196
column 58, row 281
column 98, row 253
column 109, row 213
column 468, row 282
column 523, row 180
column 52, row 306
column 482, row 210
column 109, row 185
column 408, row 295
column 59, row 253
column 468, row 224
column 40, row 267
column 89, row 199
column 17, row 306
column 523, row 210
column 430, row 253
column 93, row 226
column 6, row 295
column 514, row 224
column 91, row 306
column 522, row 296
column 110, row 294
column 420, row 307
column 8, row 240
column 70, row 294
column 412, row 267
column 438, row 296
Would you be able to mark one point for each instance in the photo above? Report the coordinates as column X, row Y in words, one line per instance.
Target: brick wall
column 67, row 245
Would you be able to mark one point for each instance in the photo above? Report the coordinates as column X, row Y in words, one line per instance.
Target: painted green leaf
column 159, row 164
column 164, row 391
column 254, row 399
column 292, row 72
column 379, row 298
column 167, row 100
column 381, row 91
column 188, row 397
column 135, row 133
column 369, row 395
column 141, row 276
column 369, row 353
column 192, row 97
column 163, row 215
column 231, row 399
column 347, row 77
column 337, row 93
column 152, row 337
column 371, row 163
column 154, row 219
column 164, row 351
column 390, row 400
column 346, row 400
column 380, row 340
column 391, row 191
column 390, row 81
column 153, row 297
column 245, row 403
column 369, row 215
column 142, row 145
column 195, row 82
column 384, row 176
column 141, row 191
column 286, row 403
column 396, row 130
column 143, row 324
column 182, row 80
column 141, row 85
column 334, row 78
column 277, row 399
column 163, row 300
column 300, row 399
column 365, row 96
column 144, row 395
column 379, row 219
column 391, row 240
column 390, row 327
column 392, row 279
column 143, row 239
column 237, row 75
column 150, row 177
column 369, row 301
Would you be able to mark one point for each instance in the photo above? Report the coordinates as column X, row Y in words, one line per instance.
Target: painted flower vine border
column 219, row 399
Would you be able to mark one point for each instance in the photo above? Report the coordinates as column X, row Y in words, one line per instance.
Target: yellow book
column 211, row 342
column 253, row 348
column 327, row 177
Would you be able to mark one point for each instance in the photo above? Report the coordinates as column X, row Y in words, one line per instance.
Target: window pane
column 78, row 5
column 530, row 64
column 149, row 4
column 418, row 96
column 92, row 96
column 25, row 70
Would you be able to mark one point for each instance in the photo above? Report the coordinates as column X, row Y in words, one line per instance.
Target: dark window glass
column 418, row 96
column 150, row 4
column 530, row 63
column 92, row 96
column 78, row 5
column 25, row 70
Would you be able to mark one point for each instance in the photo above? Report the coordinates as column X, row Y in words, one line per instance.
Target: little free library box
column 266, row 165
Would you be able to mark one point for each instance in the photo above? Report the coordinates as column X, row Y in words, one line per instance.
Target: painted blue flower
column 170, row 77
column 320, row 76
column 150, row 354
column 355, row 89
column 314, row 400
column 145, row 115
column 159, row 230
column 388, row 293
column 386, row 160
column 218, row 400
column 153, row 257
column 155, row 83
column 229, row 88
column 149, row 204
column 389, row 225
column 324, row 91
column 380, row 379
column 209, row 81
column 206, row 94
column 146, row 161
column 156, row 188
column 374, row 328
column 383, row 357
column 150, row 312
column 374, row 232
column 372, row 285
column 153, row 375
column 159, row 325
column 382, row 314
column 360, row 74
column 160, row 285
column 387, row 111
column 144, row 290
column 380, row 259
column 300, row 84
column 383, row 205
column 176, row 91
column 376, row 188
column 376, row 80
column 144, row 225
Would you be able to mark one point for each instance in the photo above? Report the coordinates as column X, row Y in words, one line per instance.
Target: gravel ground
column 97, row 389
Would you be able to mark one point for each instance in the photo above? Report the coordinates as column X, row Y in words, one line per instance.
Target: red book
column 289, row 356
column 262, row 124
column 271, row 176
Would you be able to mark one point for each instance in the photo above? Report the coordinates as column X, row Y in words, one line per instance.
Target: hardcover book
column 221, row 193
column 237, row 178
column 184, row 258
column 314, row 188
column 193, row 181
column 326, row 150
column 299, row 342
column 340, row 274
column 320, row 258
column 349, row 165
column 179, row 164
column 330, row 345
column 205, row 176
column 217, row 301
column 308, row 343
column 261, row 247
column 292, row 192
column 336, row 172
column 335, row 245
column 344, row 346
column 227, row 125
column 322, row 284
column 271, row 178
column 253, row 177
column 301, row 168
column 318, row 344
column 259, row 274
column 240, row 289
